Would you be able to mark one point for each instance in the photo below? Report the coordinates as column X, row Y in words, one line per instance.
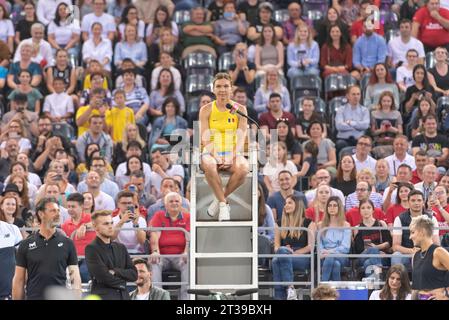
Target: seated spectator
column 9, row 211
column 271, row 84
column 334, row 240
column 416, row 92
column 129, row 218
column 129, row 64
column 98, row 105
column 97, row 83
column 130, row 47
column 439, row 74
column 170, row 242
column 346, row 179
column 98, row 47
column 161, row 168
column 434, row 144
column 327, row 158
column 168, row 43
column 263, row 18
column 142, row 190
column 134, row 148
column 58, row 106
column 103, row 201
column 129, row 17
column 64, row 32
column 401, row 238
column 431, row 24
column 242, row 71
column 41, row 53
column 145, row 288
column 400, row 155
column 98, row 16
column 293, row 242
column 336, row 53
column 198, row 34
column 369, row 49
column 161, row 20
column 25, row 63
column 19, row 169
column 439, row 204
column 116, row 9
column 269, row 52
column 166, row 62
column 248, row 10
column 165, row 88
column 421, row 160
column 325, row 292
column 364, row 190
column 362, row 157
column 170, row 123
column 64, row 70
column 8, row 156
column 206, row 98
column 315, row 211
column 133, row 164
column 79, row 228
column 100, row 166
column 429, row 181
column 24, row 87
column 229, row 29
column 23, row 26
column 15, row 130
column 92, row 151
column 7, row 30
column 294, row 20
column 404, row 73
column 348, row 10
column 19, row 112
column 94, row 66
column 47, row 152
column 265, row 216
column 268, row 120
column 401, row 204
column 352, row 120
column 303, row 54
column 397, row 286
column 306, row 116
column 130, row 134
column 51, row 189
column 357, row 26
column 425, row 107
column 285, row 134
column 404, row 175
column 379, row 82
column 323, row 27
column 9, row 256
column 382, row 175
column 408, row 10
column 120, row 115
column 371, row 241
column 95, row 134
column 323, row 176
column 444, row 180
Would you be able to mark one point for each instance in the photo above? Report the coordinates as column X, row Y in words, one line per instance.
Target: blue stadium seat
column 224, row 61
column 197, row 83
column 314, row 9
column 337, row 82
column 181, row 16
column 281, row 15
column 332, row 108
column 305, row 86
column 200, row 62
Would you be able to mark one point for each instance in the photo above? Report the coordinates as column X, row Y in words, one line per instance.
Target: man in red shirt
column 431, row 25
column 267, row 120
column 170, row 241
column 79, row 228
column 353, row 215
column 421, row 160
column 357, row 26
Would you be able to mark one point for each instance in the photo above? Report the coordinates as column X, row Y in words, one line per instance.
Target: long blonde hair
column 282, row 145
column 309, row 37
column 341, row 213
column 264, row 85
column 125, row 140
column 295, row 219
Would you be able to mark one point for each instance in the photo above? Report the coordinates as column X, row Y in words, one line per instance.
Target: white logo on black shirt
column 60, row 244
column 32, row 246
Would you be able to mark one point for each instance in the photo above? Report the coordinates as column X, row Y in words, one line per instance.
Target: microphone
column 233, row 109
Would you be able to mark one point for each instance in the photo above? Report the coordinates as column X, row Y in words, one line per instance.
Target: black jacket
column 100, row 259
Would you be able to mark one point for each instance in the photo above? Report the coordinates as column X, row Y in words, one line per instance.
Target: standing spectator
column 161, row 20
column 362, row 157
column 129, row 17
column 303, row 54
column 346, row 179
column 323, row 27
column 397, row 286
column 98, row 47
column 401, row 205
column 106, row 21
column 351, row 120
column 400, row 155
column 379, row 82
column 120, row 116
column 272, row 84
column 32, row 267
column 402, row 244
column 41, row 52
column 334, row 240
column 108, row 261
column 23, row 27
column 147, row 8
column 64, row 32
column 170, row 242
column 198, row 34
column 11, row 237
column 25, row 62
column 293, row 242
column 400, row 45
column 439, row 74
column 130, row 47
column 369, row 49
column 145, row 288
column 294, row 20
column 269, row 51
column 431, row 24
column 129, row 218
column 336, row 53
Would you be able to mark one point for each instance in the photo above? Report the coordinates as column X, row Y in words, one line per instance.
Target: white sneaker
column 291, row 294
column 225, row 212
column 212, row 211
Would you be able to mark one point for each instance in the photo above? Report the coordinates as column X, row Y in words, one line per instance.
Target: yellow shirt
column 85, row 126
column 223, row 126
column 119, row 119
column 87, row 84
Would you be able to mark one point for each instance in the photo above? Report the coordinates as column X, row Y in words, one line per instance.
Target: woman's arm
column 310, row 240
column 74, row 40
column 280, row 50
column 52, row 41
column 257, row 57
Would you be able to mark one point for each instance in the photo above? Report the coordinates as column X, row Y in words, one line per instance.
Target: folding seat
column 430, row 60
column 281, row 15
column 224, row 61
column 200, row 62
column 181, row 16
column 314, row 9
column 305, row 86
column 198, row 83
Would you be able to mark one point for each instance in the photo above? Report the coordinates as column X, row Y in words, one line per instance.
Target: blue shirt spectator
column 368, row 50
column 137, row 51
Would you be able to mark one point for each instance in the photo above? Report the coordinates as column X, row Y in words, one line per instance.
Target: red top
column 332, row 56
column 357, row 29
column 415, row 178
column 267, row 119
column 442, row 223
column 69, row 228
column 392, row 212
column 171, row 241
column 310, row 214
column 354, row 218
column 431, row 32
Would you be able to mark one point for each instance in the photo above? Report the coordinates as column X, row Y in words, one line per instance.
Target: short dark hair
column 124, row 194
column 285, row 171
column 137, row 261
column 58, row 79
column 404, row 165
column 312, row 123
column 275, row 95
column 403, row 21
column 137, row 174
column 421, row 153
column 312, row 148
column 429, row 116
column 100, row 213
column 414, row 193
column 76, row 197
column 20, row 97
column 133, row 143
column 42, row 204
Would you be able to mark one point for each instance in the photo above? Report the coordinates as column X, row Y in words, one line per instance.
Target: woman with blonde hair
column 334, row 240
column 131, row 134
column 315, row 212
column 303, row 55
column 294, row 242
column 382, row 175
column 271, row 84
column 269, row 51
column 27, row 191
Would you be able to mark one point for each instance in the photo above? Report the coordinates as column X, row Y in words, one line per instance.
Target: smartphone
column 57, row 177
column 131, row 209
column 132, row 188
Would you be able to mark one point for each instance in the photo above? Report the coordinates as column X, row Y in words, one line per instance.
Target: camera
column 132, row 188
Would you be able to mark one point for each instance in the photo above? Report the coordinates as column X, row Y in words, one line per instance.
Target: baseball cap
column 11, row 187
column 266, row 5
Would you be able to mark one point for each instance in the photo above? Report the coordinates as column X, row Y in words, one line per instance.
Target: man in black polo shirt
column 43, row 257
